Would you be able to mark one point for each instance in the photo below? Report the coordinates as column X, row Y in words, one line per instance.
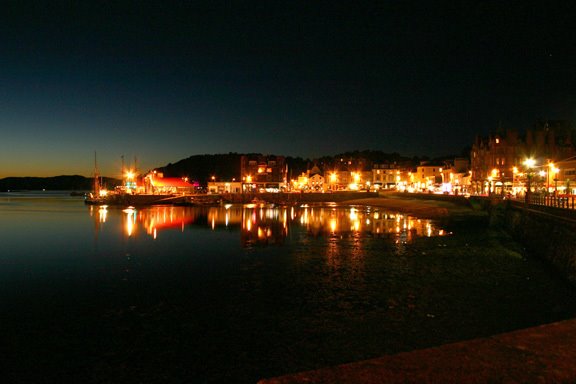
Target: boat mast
column 96, row 176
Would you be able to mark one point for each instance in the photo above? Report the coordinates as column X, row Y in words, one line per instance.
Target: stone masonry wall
column 544, row 234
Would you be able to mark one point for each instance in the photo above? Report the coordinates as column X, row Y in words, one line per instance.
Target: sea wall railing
column 566, row 202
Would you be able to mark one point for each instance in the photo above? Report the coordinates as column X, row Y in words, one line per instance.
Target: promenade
column 543, row 354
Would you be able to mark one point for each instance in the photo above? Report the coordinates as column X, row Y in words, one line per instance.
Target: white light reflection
column 103, row 213
column 130, row 220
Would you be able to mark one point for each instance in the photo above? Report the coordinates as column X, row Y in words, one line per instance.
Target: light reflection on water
column 238, row 293
column 265, row 225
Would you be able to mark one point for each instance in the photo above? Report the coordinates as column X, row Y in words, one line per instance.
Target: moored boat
column 127, row 199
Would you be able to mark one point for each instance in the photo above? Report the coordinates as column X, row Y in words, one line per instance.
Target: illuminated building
column 385, row 176
column 154, row 183
column 224, row 187
column 429, row 177
column 311, row 180
column 263, row 173
column 497, row 161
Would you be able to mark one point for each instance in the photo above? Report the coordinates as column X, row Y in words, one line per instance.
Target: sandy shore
column 431, row 209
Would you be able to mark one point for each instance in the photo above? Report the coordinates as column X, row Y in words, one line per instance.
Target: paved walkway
column 544, row 354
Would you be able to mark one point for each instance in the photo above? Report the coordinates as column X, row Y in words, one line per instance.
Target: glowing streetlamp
column 514, row 176
column 333, row 179
column 529, row 163
column 555, row 172
column 355, row 180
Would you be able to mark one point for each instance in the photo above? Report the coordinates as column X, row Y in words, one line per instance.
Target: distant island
column 55, row 183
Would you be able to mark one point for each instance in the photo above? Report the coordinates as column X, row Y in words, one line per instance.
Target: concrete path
column 544, row 354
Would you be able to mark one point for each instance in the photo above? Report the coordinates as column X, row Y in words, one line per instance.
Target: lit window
column 497, row 140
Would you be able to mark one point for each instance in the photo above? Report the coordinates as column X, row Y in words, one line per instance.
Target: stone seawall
column 546, row 233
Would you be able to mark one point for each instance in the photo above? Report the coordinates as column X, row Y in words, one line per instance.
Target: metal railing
column 566, row 202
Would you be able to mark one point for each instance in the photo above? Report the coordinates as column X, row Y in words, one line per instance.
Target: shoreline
column 420, row 207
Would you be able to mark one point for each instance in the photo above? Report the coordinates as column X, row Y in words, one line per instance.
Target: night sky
column 165, row 80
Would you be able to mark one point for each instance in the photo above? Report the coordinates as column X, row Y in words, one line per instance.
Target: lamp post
column 493, row 177
column 529, row 163
column 548, row 169
column 555, row 175
column 514, row 175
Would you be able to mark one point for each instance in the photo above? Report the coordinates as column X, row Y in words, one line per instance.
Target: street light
column 514, row 176
column 529, row 163
column 493, row 178
column 548, row 170
column 555, row 175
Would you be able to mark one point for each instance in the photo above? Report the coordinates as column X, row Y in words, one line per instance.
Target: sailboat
column 98, row 194
column 127, row 194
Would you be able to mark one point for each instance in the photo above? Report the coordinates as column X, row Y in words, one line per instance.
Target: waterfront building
column 312, row 180
column 316, row 182
column 263, row 173
column 455, row 176
column 498, row 162
column 156, row 184
column 224, row 187
column 429, row 177
column 337, row 180
column 561, row 177
column 349, row 174
column 349, row 180
column 386, row 176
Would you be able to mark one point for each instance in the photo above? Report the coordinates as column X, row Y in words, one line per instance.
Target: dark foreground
column 543, row 354
column 230, row 315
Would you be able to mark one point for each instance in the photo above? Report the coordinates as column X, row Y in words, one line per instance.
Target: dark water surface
column 234, row 294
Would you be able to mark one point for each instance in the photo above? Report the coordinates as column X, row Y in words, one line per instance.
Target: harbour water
column 237, row 293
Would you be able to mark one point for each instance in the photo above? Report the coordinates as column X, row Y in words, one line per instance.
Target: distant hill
column 56, row 183
column 201, row 168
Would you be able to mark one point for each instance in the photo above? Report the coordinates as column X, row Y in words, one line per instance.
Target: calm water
column 234, row 294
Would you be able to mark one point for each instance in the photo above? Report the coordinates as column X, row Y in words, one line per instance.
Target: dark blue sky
column 165, row 80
